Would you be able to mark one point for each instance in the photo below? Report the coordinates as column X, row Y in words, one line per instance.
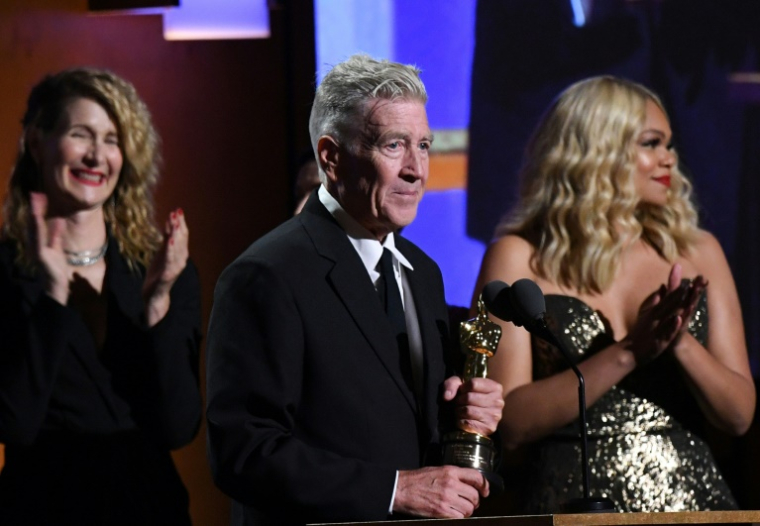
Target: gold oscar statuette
column 478, row 338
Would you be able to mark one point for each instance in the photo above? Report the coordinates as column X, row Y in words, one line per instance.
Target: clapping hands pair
column 167, row 264
column 664, row 316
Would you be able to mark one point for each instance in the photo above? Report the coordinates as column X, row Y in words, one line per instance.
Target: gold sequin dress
column 644, row 452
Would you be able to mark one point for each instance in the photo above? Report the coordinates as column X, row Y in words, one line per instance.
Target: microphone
column 521, row 304
column 524, row 304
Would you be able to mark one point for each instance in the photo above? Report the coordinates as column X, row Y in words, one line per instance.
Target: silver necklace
column 85, row 258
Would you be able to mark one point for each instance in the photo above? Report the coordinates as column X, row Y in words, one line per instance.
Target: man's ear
column 328, row 153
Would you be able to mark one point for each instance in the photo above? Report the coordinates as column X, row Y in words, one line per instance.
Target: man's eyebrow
column 395, row 135
column 406, row 136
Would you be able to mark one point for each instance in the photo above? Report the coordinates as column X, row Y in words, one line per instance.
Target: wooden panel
column 592, row 519
column 688, row 517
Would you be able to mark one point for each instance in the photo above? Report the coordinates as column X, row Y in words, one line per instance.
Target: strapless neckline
column 589, row 307
column 697, row 326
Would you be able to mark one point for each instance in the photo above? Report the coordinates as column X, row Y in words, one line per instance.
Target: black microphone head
column 528, row 300
column 496, row 299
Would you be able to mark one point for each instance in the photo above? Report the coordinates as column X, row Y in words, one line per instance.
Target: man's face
column 380, row 180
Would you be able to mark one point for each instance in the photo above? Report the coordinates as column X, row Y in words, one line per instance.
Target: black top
column 88, row 431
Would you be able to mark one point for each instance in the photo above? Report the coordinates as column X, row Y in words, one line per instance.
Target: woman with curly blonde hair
column 99, row 318
column 606, row 227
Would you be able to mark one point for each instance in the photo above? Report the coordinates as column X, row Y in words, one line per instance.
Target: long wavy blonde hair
column 578, row 204
column 130, row 210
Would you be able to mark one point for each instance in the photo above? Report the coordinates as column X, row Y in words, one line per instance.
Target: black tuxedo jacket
column 309, row 416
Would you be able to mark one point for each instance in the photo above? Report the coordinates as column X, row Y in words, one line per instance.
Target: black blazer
column 88, row 432
column 309, row 416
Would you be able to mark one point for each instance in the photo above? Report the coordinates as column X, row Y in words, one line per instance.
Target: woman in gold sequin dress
column 605, row 226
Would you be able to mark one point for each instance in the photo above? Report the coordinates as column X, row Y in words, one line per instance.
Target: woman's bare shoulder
column 706, row 254
column 707, row 242
column 509, row 256
column 706, row 245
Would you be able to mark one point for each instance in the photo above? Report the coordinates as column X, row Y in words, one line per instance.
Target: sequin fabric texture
column 644, row 452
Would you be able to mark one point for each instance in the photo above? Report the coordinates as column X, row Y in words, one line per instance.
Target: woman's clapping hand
column 168, row 263
column 47, row 248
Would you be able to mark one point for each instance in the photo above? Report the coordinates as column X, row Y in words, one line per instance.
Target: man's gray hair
column 342, row 97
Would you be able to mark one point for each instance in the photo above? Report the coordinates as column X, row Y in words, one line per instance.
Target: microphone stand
column 586, row 504
column 523, row 304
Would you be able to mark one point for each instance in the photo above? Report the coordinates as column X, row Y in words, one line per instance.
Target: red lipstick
column 663, row 180
column 88, row 177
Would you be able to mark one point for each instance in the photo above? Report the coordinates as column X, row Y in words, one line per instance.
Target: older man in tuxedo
column 329, row 347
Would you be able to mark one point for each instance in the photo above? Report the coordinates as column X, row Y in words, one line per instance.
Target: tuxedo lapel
column 351, row 283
